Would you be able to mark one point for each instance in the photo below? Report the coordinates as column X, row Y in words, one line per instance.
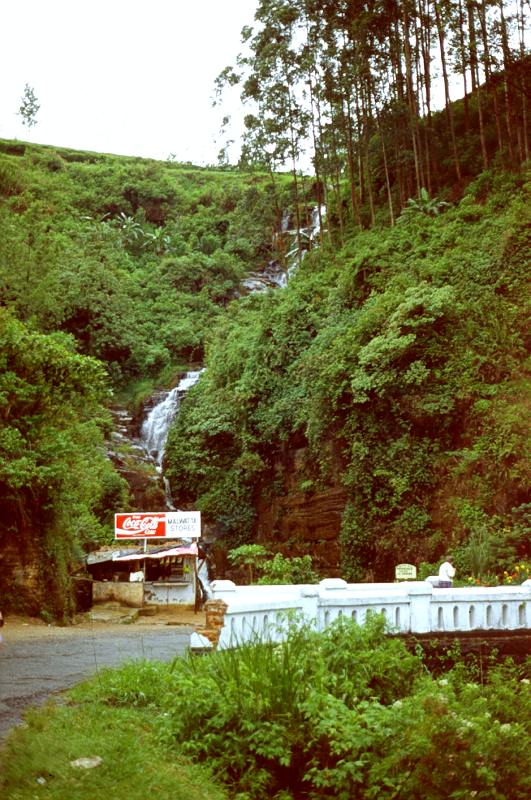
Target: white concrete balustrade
column 409, row 607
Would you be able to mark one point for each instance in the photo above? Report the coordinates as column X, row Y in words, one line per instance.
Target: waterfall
column 309, row 236
column 155, row 430
column 157, row 423
column 202, row 572
column 275, row 275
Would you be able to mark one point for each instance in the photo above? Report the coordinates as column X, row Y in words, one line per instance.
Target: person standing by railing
column 446, row 573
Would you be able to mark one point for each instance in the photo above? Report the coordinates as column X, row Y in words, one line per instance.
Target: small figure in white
column 446, row 573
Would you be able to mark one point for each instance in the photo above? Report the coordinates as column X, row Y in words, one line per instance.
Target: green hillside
column 133, row 258
column 373, row 411
column 396, row 365
column 112, row 270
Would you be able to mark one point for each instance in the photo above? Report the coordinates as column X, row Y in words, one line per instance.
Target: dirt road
column 37, row 660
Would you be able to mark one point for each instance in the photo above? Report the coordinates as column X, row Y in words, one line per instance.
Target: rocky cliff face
column 133, row 464
column 304, row 517
column 22, row 583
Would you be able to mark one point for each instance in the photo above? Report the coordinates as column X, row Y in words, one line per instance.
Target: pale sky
column 121, row 76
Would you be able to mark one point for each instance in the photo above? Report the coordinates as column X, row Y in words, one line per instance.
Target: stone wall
column 215, row 619
column 22, row 586
column 129, row 594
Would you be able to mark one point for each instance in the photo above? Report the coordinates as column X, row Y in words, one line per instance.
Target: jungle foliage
column 111, row 271
column 406, row 348
column 133, row 258
column 347, row 713
column 354, row 85
column 395, row 357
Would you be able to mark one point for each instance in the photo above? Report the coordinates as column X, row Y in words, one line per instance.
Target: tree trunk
column 365, row 139
column 476, row 88
column 327, row 171
column 447, row 105
column 524, row 150
column 419, row 177
column 506, row 66
column 425, row 47
column 464, row 61
column 482, row 14
column 384, row 156
column 347, row 125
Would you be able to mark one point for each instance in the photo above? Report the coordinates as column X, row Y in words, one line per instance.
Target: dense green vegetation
column 405, row 349
column 347, row 714
column 394, row 360
column 396, row 354
column 133, row 258
column 111, row 271
column 53, row 474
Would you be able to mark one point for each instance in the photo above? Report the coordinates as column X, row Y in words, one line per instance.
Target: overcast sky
column 120, row 76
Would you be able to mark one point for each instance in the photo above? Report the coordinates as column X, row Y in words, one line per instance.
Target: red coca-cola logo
column 143, row 524
column 140, row 525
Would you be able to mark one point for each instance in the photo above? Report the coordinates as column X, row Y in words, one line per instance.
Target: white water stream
column 276, row 275
column 157, row 423
column 155, row 428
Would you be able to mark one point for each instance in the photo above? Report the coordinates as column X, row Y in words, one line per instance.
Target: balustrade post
column 310, row 603
column 215, row 619
column 420, row 597
column 220, row 588
column 216, row 609
column 328, row 586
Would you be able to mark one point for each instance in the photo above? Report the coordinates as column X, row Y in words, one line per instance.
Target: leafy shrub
column 347, row 713
column 250, row 556
column 280, row 570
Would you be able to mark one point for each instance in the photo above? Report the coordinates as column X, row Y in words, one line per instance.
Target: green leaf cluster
column 346, row 713
column 56, row 485
column 134, row 258
column 396, row 365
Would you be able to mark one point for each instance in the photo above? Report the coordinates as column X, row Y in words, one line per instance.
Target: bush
column 348, row 713
column 282, row 570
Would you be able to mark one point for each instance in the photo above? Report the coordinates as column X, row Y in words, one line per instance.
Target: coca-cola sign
column 139, row 526
column 158, row 525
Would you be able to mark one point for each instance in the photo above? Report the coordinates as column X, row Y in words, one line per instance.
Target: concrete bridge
column 414, row 607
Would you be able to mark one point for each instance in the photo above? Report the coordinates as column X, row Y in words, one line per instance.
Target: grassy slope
column 36, row 761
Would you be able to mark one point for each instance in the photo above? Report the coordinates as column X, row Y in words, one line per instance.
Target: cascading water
column 157, row 423
column 155, row 429
column 276, row 275
column 308, row 236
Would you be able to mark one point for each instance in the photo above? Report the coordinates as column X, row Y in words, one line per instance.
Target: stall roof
column 183, row 550
column 132, row 553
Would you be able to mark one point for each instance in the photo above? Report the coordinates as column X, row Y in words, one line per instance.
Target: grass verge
column 36, row 760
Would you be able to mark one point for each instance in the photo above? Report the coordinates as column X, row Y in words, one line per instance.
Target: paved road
column 34, row 663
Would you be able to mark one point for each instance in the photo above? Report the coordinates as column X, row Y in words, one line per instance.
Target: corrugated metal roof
column 183, row 550
column 130, row 553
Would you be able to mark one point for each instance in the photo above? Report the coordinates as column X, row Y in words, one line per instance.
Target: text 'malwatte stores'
column 158, row 525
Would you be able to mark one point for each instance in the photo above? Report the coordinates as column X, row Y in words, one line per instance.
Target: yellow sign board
column 405, row 572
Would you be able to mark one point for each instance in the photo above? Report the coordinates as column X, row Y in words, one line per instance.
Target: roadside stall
column 145, row 575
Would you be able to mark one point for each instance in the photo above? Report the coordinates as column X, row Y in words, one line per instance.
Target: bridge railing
column 410, row 607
